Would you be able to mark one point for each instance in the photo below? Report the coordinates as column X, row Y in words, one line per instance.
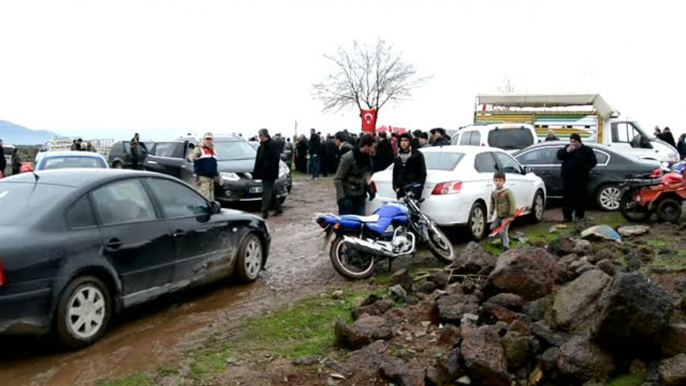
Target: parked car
column 459, row 184
column 510, row 136
column 120, row 154
column 71, row 160
column 603, row 186
column 236, row 160
column 99, row 241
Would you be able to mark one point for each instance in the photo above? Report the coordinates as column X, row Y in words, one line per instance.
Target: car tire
column 538, row 207
column 477, row 222
column 83, row 312
column 250, row 258
column 608, row 197
column 117, row 165
column 669, row 210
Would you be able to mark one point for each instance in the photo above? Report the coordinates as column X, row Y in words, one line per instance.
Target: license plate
column 256, row 189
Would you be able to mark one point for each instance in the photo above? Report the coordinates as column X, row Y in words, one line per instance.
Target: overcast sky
column 109, row 68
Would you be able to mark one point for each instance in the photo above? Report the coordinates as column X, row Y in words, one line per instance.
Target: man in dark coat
column 342, row 146
column 440, row 137
column 135, row 142
column 314, row 147
column 409, row 168
column 352, row 178
column 384, row 153
column 668, row 137
column 267, row 170
column 3, row 161
column 331, row 155
column 301, row 154
column 577, row 162
column 16, row 162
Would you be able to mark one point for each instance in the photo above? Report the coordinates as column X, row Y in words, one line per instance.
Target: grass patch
column 675, row 260
column 137, row 379
column 304, row 328
column 627, row 380
column 657, row 243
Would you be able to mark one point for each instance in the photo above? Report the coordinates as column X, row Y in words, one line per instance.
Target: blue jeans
column 504, row 237
column 314, row 165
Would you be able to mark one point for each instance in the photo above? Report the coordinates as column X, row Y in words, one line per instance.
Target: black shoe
column 265, row 215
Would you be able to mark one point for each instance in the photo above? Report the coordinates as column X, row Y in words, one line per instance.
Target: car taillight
column 656, row 173
column 2, row 273
column 447, row 187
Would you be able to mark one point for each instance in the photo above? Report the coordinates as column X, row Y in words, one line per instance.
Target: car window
column 22, row 203
column 80, row 215
column 235, row 150
column 507, row 163
column 177, row 200
column 601, row 157
column 169, row 149
column 510, row 139
column 70, row 162
column 540, row 156
column 485, row 163
column 441, row 160
column 123, row 202
column 476, row 139
column 465, row 137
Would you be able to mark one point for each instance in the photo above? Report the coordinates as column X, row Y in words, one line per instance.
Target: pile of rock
column 568, row 315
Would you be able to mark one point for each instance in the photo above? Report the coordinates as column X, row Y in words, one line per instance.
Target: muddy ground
column 163, row 331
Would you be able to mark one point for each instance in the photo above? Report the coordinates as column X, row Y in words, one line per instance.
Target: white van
column 507, row 136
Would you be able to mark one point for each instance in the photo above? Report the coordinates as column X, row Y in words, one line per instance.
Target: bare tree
column 507, row 87
column 367, row 78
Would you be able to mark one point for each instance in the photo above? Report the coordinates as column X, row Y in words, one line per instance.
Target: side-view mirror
column 215, row 207
column 528, row 169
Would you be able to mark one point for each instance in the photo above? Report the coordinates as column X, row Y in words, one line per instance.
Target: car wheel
column 477, row 222
column 250, row 258
column 83, row 312
column 538, row 207
column 608, row 197
column 117, row 165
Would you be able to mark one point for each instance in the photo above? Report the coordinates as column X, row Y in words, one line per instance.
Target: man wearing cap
column 204, row 159
column 409, row 168
column 440, row 138
column 577, row 162
column 267, row 169
column 424, row 140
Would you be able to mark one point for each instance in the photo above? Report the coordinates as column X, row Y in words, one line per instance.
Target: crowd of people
column 79, row 145
column 666, row 135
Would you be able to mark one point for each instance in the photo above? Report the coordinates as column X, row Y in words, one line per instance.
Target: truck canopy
column 602, row 108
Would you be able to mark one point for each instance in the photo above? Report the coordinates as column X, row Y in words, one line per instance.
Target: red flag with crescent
column 368, row 120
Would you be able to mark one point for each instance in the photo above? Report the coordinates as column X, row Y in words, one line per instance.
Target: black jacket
column 577, row 164
column 669, row 138
column 384, row 155
column 331, row 150
column 442, row 142
column 267, row 161
column 3, row 161
column 350, row 180
column 413, row 171
column 681, row 148
column 315, row 144
column 16, row 164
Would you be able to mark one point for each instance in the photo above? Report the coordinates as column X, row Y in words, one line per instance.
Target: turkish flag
column 368, row 120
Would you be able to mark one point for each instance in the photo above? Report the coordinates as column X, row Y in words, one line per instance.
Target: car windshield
column 234, row 150
column 510, row 139
column 72, row 162
column 442, row 160
column 18, row 199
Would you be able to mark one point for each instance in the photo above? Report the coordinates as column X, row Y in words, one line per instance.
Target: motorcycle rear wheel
column 632, row 212
column 350, row 263
column 440, row 245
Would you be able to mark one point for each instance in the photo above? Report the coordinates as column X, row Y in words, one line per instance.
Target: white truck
column 585, row 114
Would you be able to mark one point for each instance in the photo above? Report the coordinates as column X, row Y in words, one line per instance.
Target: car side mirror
column 528, row 169
column 215, row 207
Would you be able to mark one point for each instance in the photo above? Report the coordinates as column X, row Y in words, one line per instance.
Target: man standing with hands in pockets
column 577, row 162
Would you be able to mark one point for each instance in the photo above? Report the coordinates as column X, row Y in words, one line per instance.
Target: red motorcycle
column 661, row 194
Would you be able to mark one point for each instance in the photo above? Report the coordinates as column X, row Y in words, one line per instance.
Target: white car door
column 486, row 165
column 521, row 186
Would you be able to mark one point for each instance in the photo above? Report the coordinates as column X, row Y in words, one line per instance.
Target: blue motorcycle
column 394, row 230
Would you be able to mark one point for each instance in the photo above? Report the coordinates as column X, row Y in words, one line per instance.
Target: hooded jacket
column 351, row 177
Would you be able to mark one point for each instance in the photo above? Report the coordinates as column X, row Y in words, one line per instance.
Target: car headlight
column 283, row 171
column 229, row 176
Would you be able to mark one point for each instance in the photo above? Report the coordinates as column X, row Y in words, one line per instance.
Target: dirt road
column 161, row 332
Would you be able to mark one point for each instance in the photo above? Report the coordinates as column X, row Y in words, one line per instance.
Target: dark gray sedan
column 613, row 168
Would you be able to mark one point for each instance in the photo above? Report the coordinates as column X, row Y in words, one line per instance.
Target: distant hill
column 12, row 134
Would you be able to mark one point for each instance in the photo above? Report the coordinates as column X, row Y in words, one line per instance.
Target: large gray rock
column 633, row 230
column 582, row 360
column 394, row 370
column 673, row 371
column 527, row 272
column 511, row 301
column 473, row 260
column 548, row 337
column 449, row 367
column 403, row 278
column 452, row 307
column 538, row 309
column 375, row 309
column 519, row 348
column 633, row 312
column 484, row 356
column 362, row 332
column 562, row 246
column 577, row 302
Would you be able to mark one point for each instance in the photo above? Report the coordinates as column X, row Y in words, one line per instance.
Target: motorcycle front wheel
column 632, row 211
column 349, row 262
column 440, row 245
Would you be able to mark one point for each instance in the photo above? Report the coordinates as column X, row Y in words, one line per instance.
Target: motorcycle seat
column 363, row 219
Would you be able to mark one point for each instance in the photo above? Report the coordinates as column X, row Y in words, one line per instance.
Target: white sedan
column 459, row 184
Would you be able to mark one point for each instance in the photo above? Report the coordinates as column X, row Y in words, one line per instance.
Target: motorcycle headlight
column 229, row 176
column 283, row 171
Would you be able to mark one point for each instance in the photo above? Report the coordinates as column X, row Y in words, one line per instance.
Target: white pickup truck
column 588, row 115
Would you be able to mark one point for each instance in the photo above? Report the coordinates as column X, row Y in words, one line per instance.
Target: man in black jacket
column 440, row 137
column 577, row 162
column 331, row 155
column 267, row 169
column 384, row 153
column 668, row 137
column 352, row 178
column 315, row 148
column 3, row 161
column 409, row 168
